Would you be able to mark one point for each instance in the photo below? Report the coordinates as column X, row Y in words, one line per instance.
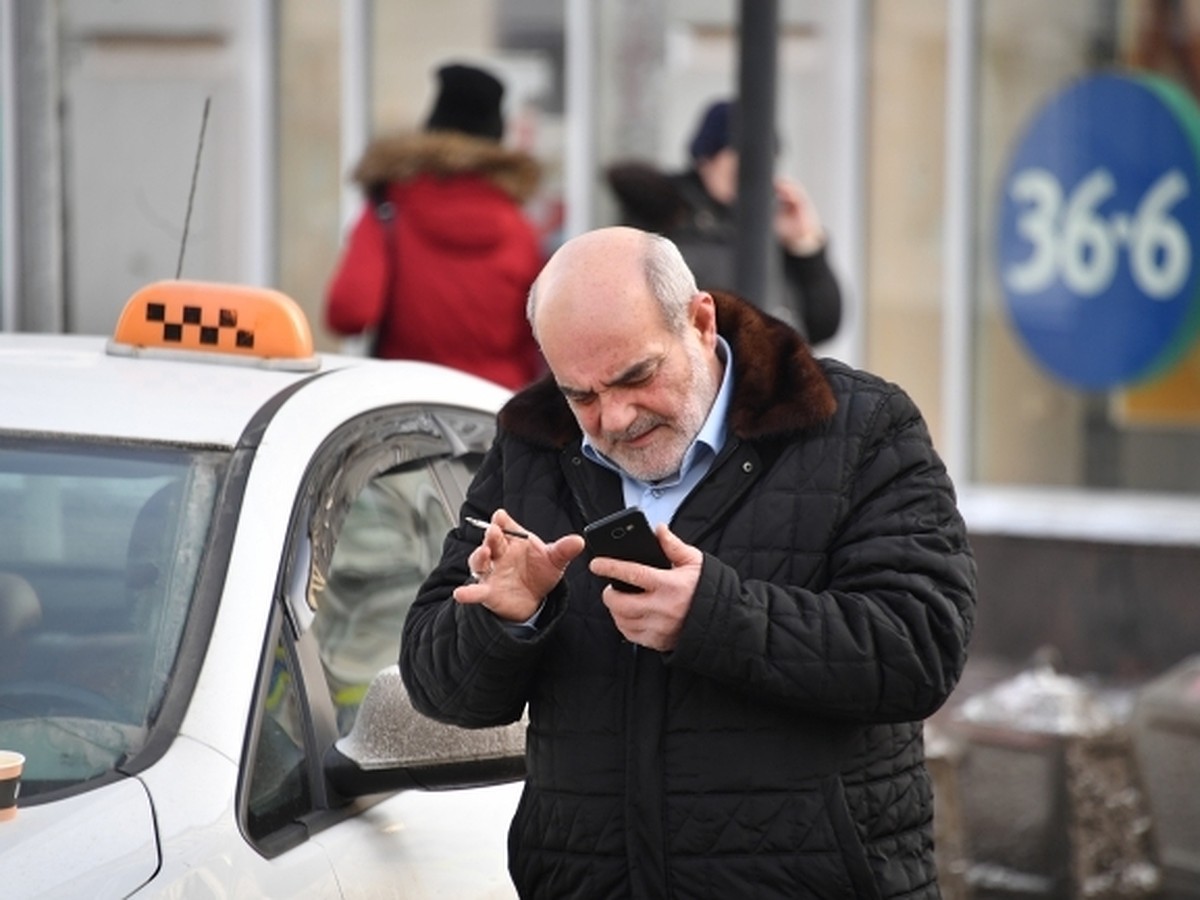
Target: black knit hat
column 718, row 130
column 468, row 101
column 715, row 131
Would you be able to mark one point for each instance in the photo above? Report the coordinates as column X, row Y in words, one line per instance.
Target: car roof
column 70, row 385
column 100, row 387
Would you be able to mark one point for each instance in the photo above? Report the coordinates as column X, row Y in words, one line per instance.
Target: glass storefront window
column 906, row 165
column 1086, row 371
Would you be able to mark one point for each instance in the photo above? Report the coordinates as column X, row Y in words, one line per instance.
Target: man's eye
column 578, row 399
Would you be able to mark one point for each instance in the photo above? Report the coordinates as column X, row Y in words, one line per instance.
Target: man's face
column 720, row 175
column 639, row 391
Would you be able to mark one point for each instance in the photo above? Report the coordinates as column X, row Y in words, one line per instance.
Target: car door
column 378, row 499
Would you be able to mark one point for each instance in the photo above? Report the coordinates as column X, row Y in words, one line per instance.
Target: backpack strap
column 385, row 212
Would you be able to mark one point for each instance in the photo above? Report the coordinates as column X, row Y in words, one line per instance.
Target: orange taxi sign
column 231, row 320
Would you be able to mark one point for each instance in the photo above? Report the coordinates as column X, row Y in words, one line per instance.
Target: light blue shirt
column 660, row 499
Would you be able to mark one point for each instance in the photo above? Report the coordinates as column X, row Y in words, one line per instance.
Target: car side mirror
column 391, row 747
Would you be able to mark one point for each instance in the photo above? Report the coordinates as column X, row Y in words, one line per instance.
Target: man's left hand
column 653, row 618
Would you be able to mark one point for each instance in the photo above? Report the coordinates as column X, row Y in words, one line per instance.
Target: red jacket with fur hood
column 447, row 281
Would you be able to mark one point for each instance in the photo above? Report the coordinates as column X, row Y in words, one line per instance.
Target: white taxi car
column 209, row 536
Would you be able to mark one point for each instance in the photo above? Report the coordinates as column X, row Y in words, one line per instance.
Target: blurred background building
column 902, row 117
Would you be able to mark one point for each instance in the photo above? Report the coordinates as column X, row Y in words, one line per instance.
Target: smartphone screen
column 626, row 535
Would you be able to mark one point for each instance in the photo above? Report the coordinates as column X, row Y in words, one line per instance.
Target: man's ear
column 704, row 317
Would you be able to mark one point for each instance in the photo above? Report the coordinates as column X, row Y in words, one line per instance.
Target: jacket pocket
column 854, row 854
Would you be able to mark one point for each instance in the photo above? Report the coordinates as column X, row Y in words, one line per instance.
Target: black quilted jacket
column 777, row 751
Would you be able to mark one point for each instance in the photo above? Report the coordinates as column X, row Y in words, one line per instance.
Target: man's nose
column 616, row 412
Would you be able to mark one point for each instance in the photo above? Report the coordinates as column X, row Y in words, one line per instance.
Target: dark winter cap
column 715, row 132
column 468, row 101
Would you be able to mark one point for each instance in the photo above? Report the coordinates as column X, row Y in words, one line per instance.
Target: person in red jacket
column 439, row 263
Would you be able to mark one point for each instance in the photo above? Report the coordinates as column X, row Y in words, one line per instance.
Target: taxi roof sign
column 220, row 322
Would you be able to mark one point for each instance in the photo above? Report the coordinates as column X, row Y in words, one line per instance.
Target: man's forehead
column 597, row 309
column 601, row 342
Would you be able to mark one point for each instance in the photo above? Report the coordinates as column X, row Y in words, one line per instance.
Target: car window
column 99, row 552
column 279, row 791
column 377, row 502
column 389, row 542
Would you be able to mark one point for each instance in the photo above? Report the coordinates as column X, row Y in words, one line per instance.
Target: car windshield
column 99, row 550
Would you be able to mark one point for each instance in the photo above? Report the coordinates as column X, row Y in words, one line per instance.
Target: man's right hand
column 511, row 576
column 797, row 225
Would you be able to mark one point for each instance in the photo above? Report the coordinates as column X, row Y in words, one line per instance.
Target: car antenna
column 187, row 219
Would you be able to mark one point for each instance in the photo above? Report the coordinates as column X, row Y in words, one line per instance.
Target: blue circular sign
column 1100, row 228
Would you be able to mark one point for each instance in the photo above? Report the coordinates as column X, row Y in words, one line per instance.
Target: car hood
column 97, row 844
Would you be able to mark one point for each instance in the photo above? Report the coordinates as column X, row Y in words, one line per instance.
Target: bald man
column 749, row 724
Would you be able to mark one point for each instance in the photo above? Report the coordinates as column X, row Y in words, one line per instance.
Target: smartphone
column 625, row 535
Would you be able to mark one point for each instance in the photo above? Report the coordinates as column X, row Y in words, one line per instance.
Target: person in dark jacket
column 751, row 724
column 441, row 258
column 696, row 209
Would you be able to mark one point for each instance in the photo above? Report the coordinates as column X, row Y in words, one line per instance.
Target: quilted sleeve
column 885, row 639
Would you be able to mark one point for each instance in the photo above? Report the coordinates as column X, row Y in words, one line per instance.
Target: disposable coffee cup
column 12, row 764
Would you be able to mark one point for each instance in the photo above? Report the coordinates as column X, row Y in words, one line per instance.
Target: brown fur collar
column 778, row 387
column 403, row 156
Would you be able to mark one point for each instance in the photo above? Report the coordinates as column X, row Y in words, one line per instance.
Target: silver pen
column 480, row 523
